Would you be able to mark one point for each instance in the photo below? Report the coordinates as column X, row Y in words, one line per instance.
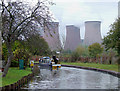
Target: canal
column 72, row 78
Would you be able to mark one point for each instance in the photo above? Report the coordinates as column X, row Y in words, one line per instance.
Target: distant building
column 73, row 38
column 92, row 32
column 51, row 35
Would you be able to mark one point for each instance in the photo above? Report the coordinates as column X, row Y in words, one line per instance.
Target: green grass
column 113, row 67
column 14, row 74
column 36, row 61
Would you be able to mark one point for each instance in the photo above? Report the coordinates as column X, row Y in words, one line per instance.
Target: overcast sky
column 76, row 12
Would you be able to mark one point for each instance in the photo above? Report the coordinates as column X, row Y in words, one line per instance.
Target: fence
column 102, row 60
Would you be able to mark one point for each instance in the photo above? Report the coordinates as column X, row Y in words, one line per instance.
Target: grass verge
column 14, row 74
column 113, row 67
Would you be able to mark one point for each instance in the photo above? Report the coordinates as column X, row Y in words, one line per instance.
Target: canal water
column 72, row 78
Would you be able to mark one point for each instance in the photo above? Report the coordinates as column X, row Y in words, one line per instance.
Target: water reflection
column 72, row 78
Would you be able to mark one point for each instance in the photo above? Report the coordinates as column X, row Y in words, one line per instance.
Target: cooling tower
column 92, row 32
column 51, row 35
column 72, row 37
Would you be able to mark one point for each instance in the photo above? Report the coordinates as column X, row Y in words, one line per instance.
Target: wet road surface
column 72, row 78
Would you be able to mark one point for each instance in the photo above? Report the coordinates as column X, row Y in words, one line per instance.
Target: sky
column 76, row 12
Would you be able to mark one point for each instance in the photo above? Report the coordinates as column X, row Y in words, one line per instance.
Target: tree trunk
column 10, row 56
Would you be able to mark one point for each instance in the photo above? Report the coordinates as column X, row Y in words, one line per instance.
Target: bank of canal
column 72, row 78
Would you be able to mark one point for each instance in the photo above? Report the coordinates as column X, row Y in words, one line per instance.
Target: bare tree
column 19, row 20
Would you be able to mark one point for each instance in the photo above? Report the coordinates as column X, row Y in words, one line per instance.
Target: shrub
column 14, row 63
column 80, row 51
column 95, row 49
column 21, row 54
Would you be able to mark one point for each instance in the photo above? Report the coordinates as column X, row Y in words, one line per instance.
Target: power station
column 73, row 38
column 92, row 32
column 51, row 35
